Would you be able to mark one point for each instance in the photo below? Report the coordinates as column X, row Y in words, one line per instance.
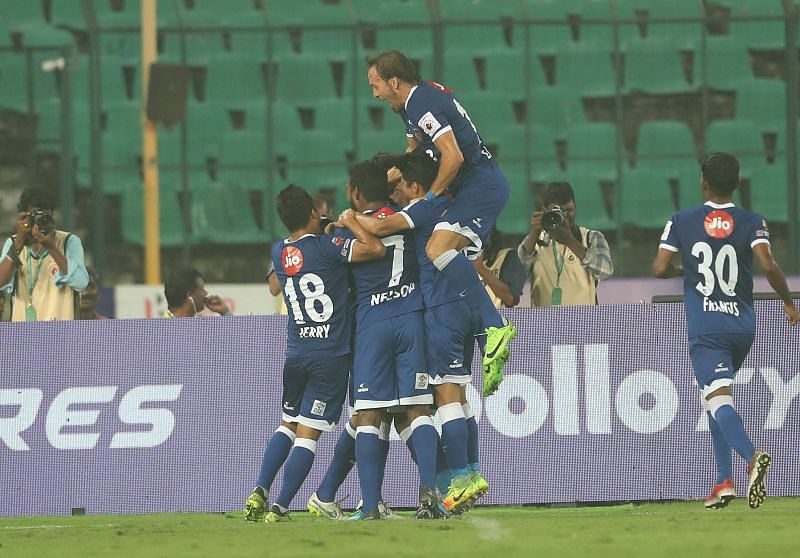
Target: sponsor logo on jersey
column 719, row 224
column 422, row 381
column 292, row 259
column 318, row 408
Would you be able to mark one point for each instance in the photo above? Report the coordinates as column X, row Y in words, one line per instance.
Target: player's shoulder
column 427, row 95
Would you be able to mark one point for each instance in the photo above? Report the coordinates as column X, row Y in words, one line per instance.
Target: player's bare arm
column 412, row 145
column 772, row 271
column 274, row 284
column 389, row 225
column 449, row 163
column 367, row 246
column 663, row 268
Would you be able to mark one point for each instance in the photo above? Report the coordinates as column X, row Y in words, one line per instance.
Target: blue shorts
column 450, row 330
column 716, row 358
column 314, row 389
column 389, row 365
column 476, row 206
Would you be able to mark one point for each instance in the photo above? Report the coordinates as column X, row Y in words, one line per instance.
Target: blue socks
column 297, row 467
column 461, row 275
column 344, row 457
column 274, row 456
column 442, row 470
column 730, row 423
column 369, row 450
column 472, row 437
column 722, row 451
column 454, row 437
column 424, row 439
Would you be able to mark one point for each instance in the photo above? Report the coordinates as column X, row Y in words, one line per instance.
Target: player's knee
column 717, row 402
column 370, row 417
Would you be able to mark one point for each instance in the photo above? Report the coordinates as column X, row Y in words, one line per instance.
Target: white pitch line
column 27, row 527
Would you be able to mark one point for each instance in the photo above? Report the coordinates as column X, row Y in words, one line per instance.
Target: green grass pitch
column 672, row 530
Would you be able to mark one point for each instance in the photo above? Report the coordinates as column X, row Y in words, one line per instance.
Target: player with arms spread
column 451, row 325
column 311, row 269
column 437, row 123
column 717, row 242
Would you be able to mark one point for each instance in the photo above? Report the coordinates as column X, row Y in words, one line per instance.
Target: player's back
column 313, row 276
column 388, row 286
column 716, row 244
column 433, row 109
column 422, row 215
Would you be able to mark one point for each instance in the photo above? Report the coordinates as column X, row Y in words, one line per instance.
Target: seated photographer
column 41, row 268
column 89, row 298
column 186, row 295
column 566, row 261
column 500, row 271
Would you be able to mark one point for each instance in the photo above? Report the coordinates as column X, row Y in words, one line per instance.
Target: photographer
column 186, row 295
column 566, row 261
column 40, row 267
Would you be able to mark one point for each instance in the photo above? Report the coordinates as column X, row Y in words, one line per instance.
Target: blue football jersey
column 431, row 110
column 716, row 244
column 422, row 215
column 389, row 286
column 312, row 271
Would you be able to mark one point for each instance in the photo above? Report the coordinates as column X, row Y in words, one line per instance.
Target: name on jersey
column 726, row 307
column 315, row 332
column 394, row 294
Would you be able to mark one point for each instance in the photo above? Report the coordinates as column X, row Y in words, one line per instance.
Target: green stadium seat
column 415, row 42
column 382, row 11
column 590, row 205
column 478, row 39
column 5, row 34
column 67, row 15
column 654, row 67
column 282, row 13
column 478, row 10
column 505, row 70
column 389, row 140
column 488, row 110
column 212, row 13
column 759, row 35
column 511, row 143
column 689, row 187
column 556, row 107
column 666, row 146
column 222, row 214
column 769, row 191
column 120, row 80
column 763, row 101
column 461, row 71
column 13, row 81
column 591, row 72
column 202, row 46
column 647, row 198
column 681, row 36
column 592, row 144
column 740, row 138
column 305, row 79
column 336, row 43
column 45, row 83
column 123, row 47
column 727, row 64
column 243, row 157
column 234, row 79
column 515, row 217
column 170, row 217
column 334, row 115
column 48, row 121
column 550, row 38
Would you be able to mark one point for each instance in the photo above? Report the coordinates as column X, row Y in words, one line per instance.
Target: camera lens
column 551, row 220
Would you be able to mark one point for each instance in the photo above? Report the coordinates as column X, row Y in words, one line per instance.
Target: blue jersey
column 432, row 110
column 389, row 286
column 422, row 215
column 312, row 272
column 716, row 244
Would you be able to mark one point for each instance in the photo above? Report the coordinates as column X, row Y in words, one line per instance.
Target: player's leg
column 472, row 433
column 369, row 450
column 295, row 376
column 320, row 410
column 723, row 491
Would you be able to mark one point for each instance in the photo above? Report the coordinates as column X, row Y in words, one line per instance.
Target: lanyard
column 559, row 263
column 34, row 277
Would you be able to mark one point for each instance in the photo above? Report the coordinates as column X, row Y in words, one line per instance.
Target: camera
column 324, row 221
column 43, row 220
column 552, row 219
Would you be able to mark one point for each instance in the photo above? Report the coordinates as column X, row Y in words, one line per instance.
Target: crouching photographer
column 41, row 268
column 565, row 261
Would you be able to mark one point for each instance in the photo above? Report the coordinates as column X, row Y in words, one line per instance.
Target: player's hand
column 792, row 313
column 536, row 224
column 216, row 304
column 393, row 176
column 344, row 217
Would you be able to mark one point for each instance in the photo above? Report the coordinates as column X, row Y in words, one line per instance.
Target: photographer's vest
column 50, row 301
column 495, row 268
column 578, row 286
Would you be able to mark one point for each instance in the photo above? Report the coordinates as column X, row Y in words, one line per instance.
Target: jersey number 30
column 706, row 261
column 318, row 305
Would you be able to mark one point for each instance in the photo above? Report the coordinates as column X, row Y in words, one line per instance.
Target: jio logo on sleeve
column 719, row 224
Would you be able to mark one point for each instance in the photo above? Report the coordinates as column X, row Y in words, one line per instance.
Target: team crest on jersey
column 719, row 224
column 429, row 124
column 292, row 259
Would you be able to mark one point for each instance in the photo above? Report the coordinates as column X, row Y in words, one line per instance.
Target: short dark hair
column 721, row 171
column 294, row 207
column 417, row 166
column 90, row 271
column 558, row 193
column 36, row 197
column 321, row 200
column 393, row 63
column 179, row 284
column 369, row 178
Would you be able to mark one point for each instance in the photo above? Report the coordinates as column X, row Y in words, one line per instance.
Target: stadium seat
column 590, row 205
column 305, row 79
column 334, row 115
column 759, row 35
column 505, row 70
column 235, row 78
column 336, row 43
column 727, row 64
column 488, row 110
column 170, row 216
column 511, row 143
column 282, row 13
column 515, row 217
column 556, row 107
column 48, row 121
column 5, row 34
column 67, row 15
column 591, row 147
column 478, row 39
column 550, row 38
column 764, row 102
column 654, row 67
column 243, row 157
column 681, row 36
column 222, row 213
column 120, row 80
column 665, row 146
column 461, row 71
column 212, row 13
column 382, row 11
column 13, row 81
column 647, row 198
column 769, row 191
column 591, row 72
column 27, row 19
column 414, row 42
column 740, row 138
column 389, row 140
column 689, row 187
